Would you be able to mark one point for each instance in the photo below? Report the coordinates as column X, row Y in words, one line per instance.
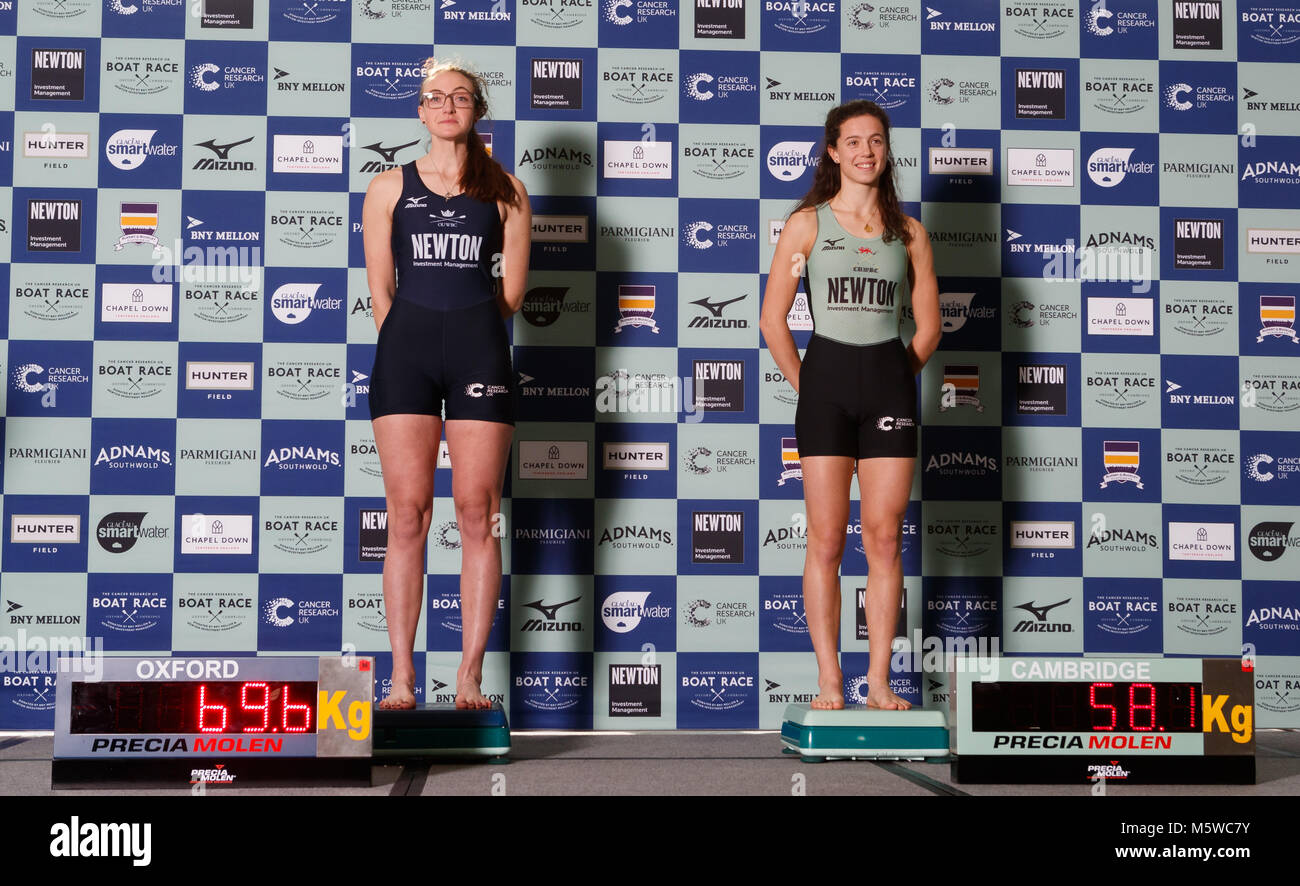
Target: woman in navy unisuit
column 446, row 240
column 861, row 259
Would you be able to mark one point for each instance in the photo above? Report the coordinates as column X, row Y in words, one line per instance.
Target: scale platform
column 441, row 730
column 863, row 733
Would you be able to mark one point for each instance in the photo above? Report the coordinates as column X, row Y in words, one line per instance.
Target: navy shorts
column 459, row 358
column 856, row 400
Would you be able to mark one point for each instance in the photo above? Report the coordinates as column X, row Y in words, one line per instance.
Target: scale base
column 441, row 730
column 861, row 733
column 170, row 773
column 1131, row 769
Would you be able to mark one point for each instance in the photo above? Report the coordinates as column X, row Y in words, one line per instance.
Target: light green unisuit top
column 854, row 284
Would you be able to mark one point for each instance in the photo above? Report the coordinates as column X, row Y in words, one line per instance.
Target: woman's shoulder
column 387, row 184
column 517, row 185
column 803, row 219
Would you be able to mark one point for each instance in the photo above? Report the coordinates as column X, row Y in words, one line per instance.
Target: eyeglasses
column 458, row 99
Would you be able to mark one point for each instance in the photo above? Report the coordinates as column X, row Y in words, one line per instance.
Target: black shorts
column 427, row 358
column 856, row 400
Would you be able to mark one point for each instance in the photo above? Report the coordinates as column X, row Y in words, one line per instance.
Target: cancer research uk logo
column 719, row 87
column 300, row 612
column 1270, row 468
column 1198, row 97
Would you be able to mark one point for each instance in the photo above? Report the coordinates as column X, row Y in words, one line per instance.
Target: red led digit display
column 214, row 707
column 1085, row 707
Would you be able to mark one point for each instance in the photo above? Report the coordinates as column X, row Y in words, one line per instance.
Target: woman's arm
column 782, row 283
column 516, row 243
column 925, row 298
column 376, row 236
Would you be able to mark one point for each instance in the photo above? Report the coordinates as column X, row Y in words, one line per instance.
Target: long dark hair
column 826, row 179
column 482, row 178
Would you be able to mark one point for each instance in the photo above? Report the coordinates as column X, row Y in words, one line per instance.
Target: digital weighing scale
column 1081, row 720
column 861, row 733
column 272, row 721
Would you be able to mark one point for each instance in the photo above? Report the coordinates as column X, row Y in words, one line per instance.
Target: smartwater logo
column 103, row 840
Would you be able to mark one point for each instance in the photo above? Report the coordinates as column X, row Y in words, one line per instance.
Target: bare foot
column 401, row 696
column 886, row 700
column 469, row 695
column 830, row 695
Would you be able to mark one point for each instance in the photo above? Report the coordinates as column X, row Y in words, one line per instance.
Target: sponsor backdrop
column 1110, row 458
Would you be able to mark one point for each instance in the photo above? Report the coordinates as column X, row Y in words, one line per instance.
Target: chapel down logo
column 636, row 307
column 1277, row 317
column 1121, row 459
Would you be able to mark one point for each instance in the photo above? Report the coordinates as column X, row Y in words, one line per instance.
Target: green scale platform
column 441, row 730
column 861, row 733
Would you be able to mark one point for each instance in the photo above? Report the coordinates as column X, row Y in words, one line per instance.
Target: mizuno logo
column 222, row 151
column 715, row 308
column 549, row 611
column 1040, row 612
column 388, row 153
